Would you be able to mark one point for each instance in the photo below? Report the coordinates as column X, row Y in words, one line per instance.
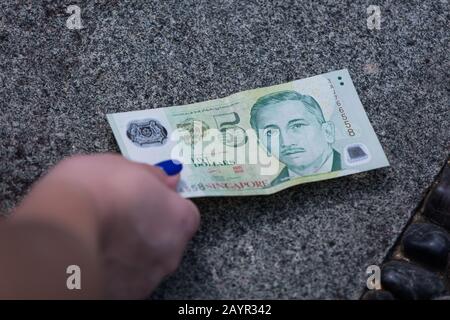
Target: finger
column 156, row 171
column 172, row 169
column 172, row 181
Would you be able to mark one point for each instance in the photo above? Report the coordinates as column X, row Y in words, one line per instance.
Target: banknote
column 260, row 141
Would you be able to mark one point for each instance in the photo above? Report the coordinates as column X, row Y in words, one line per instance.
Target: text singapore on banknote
column 260, row 141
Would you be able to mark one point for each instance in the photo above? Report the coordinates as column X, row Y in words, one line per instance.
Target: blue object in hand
column 170, row 167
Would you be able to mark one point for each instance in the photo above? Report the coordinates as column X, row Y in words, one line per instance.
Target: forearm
column 54, row 227
column 62, row 203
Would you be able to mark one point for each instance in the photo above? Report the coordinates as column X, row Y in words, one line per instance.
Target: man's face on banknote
column 303, row 139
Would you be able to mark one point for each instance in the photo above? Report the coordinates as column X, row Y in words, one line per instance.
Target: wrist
column 64, row 204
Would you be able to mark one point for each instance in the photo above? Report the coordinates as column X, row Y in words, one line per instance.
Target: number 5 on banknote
column 233, row 135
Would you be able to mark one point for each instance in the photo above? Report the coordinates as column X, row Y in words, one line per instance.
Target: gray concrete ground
column 311, row 241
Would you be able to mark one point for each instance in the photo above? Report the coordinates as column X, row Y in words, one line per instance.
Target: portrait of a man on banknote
column 305, row 138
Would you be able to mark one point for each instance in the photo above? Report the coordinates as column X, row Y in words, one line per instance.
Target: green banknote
column 257, row 141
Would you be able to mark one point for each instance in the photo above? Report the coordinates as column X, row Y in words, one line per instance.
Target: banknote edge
column 273, row 190
column 112, row 123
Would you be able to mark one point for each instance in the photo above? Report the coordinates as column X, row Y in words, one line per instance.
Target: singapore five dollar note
column 259, row 141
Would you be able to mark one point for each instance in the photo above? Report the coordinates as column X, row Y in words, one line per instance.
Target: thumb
column 172, row 169
column 172, row 181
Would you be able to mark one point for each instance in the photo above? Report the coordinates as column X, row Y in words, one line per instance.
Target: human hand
column 141, row 224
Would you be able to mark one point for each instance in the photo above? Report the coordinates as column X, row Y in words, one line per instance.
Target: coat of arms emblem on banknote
column 147, row 132
column 258, row 141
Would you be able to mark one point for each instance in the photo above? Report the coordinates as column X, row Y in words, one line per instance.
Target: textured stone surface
column 427, row 244
column 311, row 241
column 408, row 281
